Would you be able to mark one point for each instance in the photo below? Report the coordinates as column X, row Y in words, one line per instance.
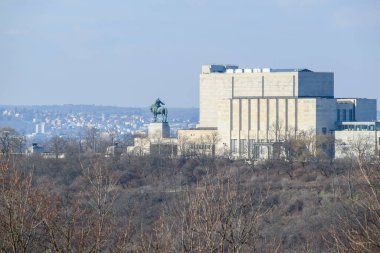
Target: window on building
column 234, row 146
column 351, row 115
column 256, row 151
column 261, row 152
column 270, row 151
column 338, row 115
column 251, row 143
column 324, row 130
column 344, row 118
column 243, row 146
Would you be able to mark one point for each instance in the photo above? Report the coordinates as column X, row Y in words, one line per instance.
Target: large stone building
column 250, row 110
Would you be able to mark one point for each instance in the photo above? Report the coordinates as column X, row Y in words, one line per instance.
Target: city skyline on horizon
column 126, row 54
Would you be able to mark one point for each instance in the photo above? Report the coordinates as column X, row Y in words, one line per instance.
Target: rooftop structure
column 358, row 126
column 207, row 69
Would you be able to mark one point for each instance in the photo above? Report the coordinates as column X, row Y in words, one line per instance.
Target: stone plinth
column 158, row 130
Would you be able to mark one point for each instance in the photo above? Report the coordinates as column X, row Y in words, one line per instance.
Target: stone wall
column 271, row 119
column 218, row 86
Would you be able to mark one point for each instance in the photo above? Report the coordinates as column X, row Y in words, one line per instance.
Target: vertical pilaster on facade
column 249, row 129
column 268, row 119
column 249, row 115
column 239, row 129
column 232, row 87
column 258, row 119
column 286, row 116
column 277, row 119
column 294, row 86
column 296, row 115
column 231, row 116
column 231, row 127
column 240, row 116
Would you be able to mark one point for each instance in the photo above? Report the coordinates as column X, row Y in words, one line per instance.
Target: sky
column 128, row 53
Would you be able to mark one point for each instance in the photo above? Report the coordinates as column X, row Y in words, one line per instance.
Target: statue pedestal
column 158, row 130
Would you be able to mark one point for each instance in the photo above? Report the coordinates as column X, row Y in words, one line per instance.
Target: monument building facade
column 251, row 110
column 158, row 141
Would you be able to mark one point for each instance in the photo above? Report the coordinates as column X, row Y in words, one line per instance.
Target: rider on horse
column 156, row 109
column 158, row 103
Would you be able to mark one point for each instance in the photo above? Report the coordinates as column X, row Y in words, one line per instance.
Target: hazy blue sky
column 126, row 53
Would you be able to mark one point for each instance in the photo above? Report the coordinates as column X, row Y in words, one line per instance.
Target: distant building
column 158, row 142
column 252, row 110
column 357, row 139
column 201, row 142
column 42, row 127
column 115, row 150
column 35, row 149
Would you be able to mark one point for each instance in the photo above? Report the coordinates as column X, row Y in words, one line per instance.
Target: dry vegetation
column 88, row 203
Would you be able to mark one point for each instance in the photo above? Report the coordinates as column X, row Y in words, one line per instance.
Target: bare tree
column 9, row 140
column 57, row 145
column 141, row 146
column 216, row 216
column 21, row 206
column 100, row 194
column 113, row 134
column 62, row 225
column 357, row 227
column 297, row 148
column 91, row 138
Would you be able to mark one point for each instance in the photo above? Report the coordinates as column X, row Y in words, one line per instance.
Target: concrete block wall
column 326, row 114
column 345, row 110
column 315, row 84
column 158, row 130
column 213, row 87
column 219, row 86
column 271, row 119
column 365, row 109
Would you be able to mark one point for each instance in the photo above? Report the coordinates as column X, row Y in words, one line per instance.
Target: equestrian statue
column 156, row 109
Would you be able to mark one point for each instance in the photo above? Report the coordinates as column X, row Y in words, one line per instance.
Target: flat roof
column 228, row 68
column 360, row 122
column 291, row 70
column 359, row 125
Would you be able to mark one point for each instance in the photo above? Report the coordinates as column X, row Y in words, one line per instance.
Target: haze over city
column 126, row 53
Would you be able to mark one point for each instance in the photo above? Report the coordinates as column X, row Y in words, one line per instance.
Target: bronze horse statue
column 157, row 109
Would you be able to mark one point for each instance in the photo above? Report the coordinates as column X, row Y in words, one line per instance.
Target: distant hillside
column 71, row 117
column 191, row 114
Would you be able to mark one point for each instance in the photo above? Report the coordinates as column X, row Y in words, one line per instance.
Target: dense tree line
column 85, row 202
